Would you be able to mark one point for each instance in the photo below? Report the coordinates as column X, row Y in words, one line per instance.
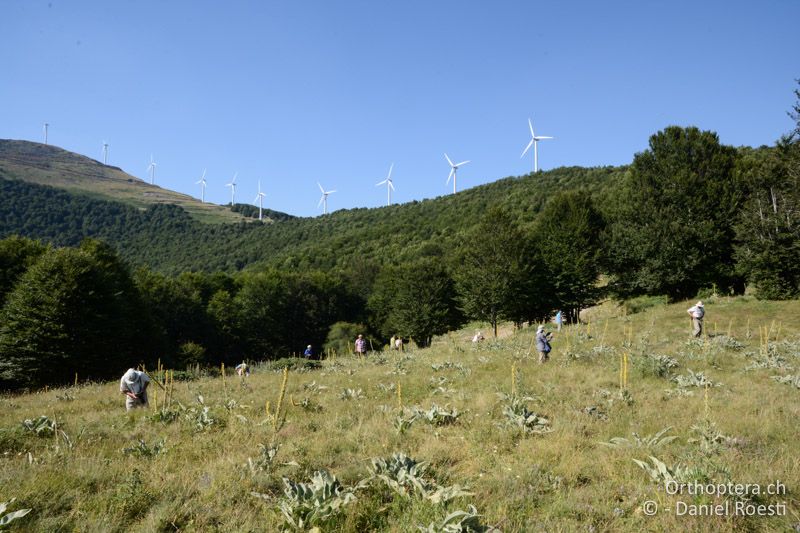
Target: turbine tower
column 535, row 142
column 151, row 168
column 202, row 184
column 389, row 186
column 105, row 153
column 323, row 201
column 259, row 198
column 454, row 171
column 232, row 185
column 46, row 125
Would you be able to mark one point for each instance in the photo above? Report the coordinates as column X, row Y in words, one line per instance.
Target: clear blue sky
column 296, row 92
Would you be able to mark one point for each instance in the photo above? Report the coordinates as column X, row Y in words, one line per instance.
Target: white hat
column 699, row 304
column 130, row 376
column 540, row 328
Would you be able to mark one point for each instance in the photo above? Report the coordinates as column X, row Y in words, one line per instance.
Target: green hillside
column 49, row 165
column 39, row 185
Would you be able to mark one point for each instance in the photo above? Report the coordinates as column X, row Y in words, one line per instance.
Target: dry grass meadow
column 531, row 447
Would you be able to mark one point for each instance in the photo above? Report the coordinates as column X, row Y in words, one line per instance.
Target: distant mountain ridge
column 170, row 237
column 49, row 165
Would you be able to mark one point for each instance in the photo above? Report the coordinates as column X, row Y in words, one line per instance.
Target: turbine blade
column 329, row 192
column 525, row 151
column 540, row 137
column 320, row 200
column 391, row 185
column 448, row 159
column 234, row 178
column 381, row 183
column 462, row 163
column 320, row 188
column 390, row 171
column 530, row 125
column 452, row 171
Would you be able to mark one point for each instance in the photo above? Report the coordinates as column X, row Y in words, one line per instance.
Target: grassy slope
column 50, row 165
column 562, row 481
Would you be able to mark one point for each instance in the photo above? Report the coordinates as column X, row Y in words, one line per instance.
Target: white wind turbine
column 323, row 201
column 535, row 142
column 454, row 171
column 151, row 168
column 260, row 199
column 105, row 153
column 389, row 186
column 202, row 183
column 46, row 125
column 232, row 185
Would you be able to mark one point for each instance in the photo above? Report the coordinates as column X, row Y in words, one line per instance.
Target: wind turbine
column 151, row 168
column 232, row 185
column 105, row 153
column 535, row 142
column 259, row 198
column 202, row 184
column 324, row 200
column 45, row 132
column 453, row 171
column 389, row 186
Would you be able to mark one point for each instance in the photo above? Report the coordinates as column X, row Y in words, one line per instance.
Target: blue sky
column 296, row 92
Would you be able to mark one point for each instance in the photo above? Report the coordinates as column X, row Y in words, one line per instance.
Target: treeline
column 83, row 309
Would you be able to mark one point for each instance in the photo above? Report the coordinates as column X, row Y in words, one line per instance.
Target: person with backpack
column 543, row 344
column 697, row 312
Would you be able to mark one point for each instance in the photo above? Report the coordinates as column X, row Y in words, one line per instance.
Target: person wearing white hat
column 543, row 344
column 697, row 312
column 134, row 385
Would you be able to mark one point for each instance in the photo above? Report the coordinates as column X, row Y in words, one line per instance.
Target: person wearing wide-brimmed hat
column 543, row 344
column 134, row 385
column 697, row 312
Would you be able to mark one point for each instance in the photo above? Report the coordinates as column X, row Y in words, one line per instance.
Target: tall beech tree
column 671, row 228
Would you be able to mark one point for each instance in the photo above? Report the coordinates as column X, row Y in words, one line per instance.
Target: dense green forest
column 165, row 238
column 93, row 286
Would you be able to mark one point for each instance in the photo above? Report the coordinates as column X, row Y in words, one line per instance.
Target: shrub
column 341, row 337
column 640, row 303
column 296, row 364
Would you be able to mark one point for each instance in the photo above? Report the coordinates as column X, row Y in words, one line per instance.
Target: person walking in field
column 134, row 385
column 309, row 353
column 697, row 312
column 559, row 320
column 243, row 369
column 361, row 346
column 543, row 344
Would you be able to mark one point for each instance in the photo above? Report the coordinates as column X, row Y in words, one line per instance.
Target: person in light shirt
column 134, row 385
column 697, row 312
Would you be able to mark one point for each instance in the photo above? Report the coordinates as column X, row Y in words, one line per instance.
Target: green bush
column 640, row 303
column 293, row 363
column 341, row 337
